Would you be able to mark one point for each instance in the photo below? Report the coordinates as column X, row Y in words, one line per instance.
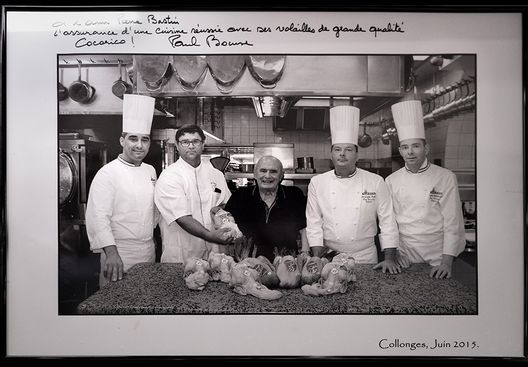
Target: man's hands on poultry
column 223, row 236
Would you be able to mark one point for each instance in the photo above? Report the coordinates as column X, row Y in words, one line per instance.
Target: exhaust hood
column 273, row 106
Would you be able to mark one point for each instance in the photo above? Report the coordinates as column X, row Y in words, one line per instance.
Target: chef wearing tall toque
column 345, row 204
column 120, row 213
column 426, row 199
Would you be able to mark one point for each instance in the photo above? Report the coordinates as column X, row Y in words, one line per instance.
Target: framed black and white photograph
column 422, row 224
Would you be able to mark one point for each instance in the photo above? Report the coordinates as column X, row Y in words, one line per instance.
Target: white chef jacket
column 341, row 214
column 120, row 211
column 184, row 190
column 428, row 212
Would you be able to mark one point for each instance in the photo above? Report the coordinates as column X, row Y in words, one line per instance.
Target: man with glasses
column 185, row 193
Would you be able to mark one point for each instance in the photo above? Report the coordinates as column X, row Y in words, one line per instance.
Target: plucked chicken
column 244, row 281
column 334, row 279
column 266, row 271
column 221, row 265
column 311, row 271
column 288, row 271
column 196, row 273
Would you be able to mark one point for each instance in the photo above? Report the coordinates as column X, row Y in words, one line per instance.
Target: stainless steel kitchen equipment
column 284, row 152
column 305, row 165
column 79, row 159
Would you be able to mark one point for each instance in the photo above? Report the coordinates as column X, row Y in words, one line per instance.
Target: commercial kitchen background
column 88, row 135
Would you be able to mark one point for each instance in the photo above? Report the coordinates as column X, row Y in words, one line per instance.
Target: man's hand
column 113, row 268
column 222, row 236
column 318, row 251
column 444, row 269
column 403, row 260
column 388, row 265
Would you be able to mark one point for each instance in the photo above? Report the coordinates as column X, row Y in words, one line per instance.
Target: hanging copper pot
column 80, row 91
column 365, row 140
column 120, row 86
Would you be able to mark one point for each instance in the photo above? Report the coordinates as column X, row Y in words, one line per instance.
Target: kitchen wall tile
column 451, row 152
column 451, row 163
column 466, row 139
column 465, row 152
column 453, row 138
column 465, row 163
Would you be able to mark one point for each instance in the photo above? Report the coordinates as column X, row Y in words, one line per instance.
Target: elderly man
column 120, row 213
column 345, row 204
column 270, row 213
column 426, row 199
column 185, row 193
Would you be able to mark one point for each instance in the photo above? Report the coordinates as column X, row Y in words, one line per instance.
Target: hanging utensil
column 63, row 91
column 266, row 69
column 220, row 163
column 365, row 140
column 80, row 91
column 189, row 70
column 121, row 87
column 226, row 70
column 155, row 70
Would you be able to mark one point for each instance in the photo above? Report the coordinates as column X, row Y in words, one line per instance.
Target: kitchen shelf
column 287, row 176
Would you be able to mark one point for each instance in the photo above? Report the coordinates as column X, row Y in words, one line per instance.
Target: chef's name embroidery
column 435, row 196
column 368, row 197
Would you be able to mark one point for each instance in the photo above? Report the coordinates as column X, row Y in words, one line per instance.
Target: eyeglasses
column 194, row 142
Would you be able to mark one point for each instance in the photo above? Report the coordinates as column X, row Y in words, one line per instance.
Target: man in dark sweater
column 271, row 214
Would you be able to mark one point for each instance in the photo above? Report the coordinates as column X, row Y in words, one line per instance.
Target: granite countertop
column 160, row 289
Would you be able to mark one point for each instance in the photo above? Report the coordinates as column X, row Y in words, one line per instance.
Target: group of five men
column 415, row 213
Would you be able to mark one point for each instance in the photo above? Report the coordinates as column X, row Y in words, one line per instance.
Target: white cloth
column 138, row 112
column 408, row 118
column 428, row 212
column 121, row 212
column 341, row 214
column 344, row 124
column 184, row 190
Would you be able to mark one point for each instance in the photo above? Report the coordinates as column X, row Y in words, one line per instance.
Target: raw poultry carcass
column 196, row 273
column 334, row 279
column 288, row 271
column 244, row 281
column 267, row 273
column 221, row 265
column 223, row 219
column 349, row 262
column 311, row 270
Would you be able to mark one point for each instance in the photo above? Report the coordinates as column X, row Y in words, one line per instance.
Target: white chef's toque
column 138, row 112
column 344, row 124
column 408, row 118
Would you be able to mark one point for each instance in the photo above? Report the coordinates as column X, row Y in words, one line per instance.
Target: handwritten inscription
column 126, row 29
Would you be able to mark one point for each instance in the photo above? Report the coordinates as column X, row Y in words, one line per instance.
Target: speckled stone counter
column 160, row 289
